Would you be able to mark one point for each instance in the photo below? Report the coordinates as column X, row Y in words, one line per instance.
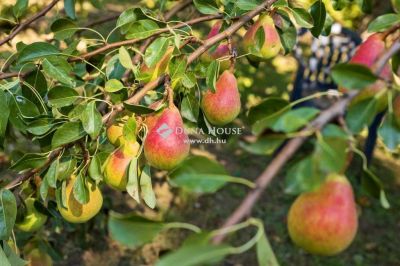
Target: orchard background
column 96, row 168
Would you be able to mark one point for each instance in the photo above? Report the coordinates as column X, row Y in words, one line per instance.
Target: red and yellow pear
column 166, row 144
column 74, row 211
column 222, row 106
column 220, row 52
column 324, row 221
column 367, row 54
column 272, row 43
column 116, row 166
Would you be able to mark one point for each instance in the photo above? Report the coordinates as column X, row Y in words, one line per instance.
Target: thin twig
column 26, row 23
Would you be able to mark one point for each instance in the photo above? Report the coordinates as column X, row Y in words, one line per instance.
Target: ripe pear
column 116, row 166
column 37, row 257
column 76, row 212
column 166, row 144
column 152, row 118
column 272, row 43
column 33, row 219
column 221, row 51
column 223, row 106
column 367, row 54
column 324, row 221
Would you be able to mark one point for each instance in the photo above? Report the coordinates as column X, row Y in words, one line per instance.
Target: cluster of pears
column 117, row 163
column 367, row 54
column 324, row 221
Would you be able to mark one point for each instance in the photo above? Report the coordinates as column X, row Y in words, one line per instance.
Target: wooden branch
column 26, row 23
column 337, row 109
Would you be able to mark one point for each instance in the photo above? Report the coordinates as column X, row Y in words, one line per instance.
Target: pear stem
column 233, row 54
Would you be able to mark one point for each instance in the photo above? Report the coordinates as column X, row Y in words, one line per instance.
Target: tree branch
column 293, row 145
column 26, row 23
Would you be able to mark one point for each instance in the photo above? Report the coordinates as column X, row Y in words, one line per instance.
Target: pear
column 324, row 221
column 115, row 133
column 166, row 144
column 33, row 219
column 115, row 171
column 220, row 51
column 75, row 212
column 222, row 106
column 272, row 43
column 367, row 54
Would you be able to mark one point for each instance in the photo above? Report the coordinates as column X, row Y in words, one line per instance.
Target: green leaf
column 200, row 174
column 132, row 186
column 206, row 6
column 30, row 161
column 383, row 22
column 113, row 85
column 146, row 188
column 127, row 19
column 129, row 129
column 81, row 191
column 156, row 51
column 265, row 254
column 302, row 17
column 125, row 58
column 63, row 28
column 247, row 4
column 280, row 3
column 302, row 176
column 212, row 74
column 294, row 119
column 142, row 29
column 265, row 145
column 131, row 230
column 69, row 7
column 287, row 33
column 5, row 112
column 55, row 71
column 40, row 126
column 361, row 114
column 196, row 254
column 138, row 109
column 97, row 161
column 8, row 213
column 353, row 76
column 66, row 167
column 20, row 8
column 37, row 50
column 390, row 132
column 3, row 259
column 91, row 120
column 206, row 183
column 67, row 133
column 318, row 13
column 51, row 175
column 190, row 108
column 12, row 257
column 331, row 154
column 266, row 108
column 61, row 96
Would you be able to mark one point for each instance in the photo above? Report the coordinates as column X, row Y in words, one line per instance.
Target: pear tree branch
column 262, row 182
